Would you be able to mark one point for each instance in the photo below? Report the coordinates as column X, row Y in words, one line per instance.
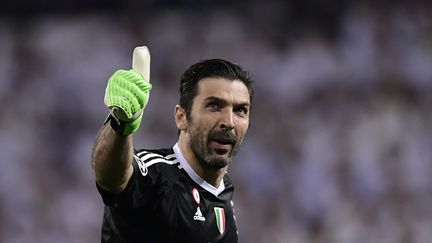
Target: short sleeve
column 139, row 190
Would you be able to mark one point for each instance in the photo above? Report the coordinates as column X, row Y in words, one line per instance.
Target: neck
column 211, row 175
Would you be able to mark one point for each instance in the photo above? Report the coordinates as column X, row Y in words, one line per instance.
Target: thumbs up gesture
column 127, row 93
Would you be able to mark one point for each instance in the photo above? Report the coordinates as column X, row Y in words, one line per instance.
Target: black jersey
column 166, row 201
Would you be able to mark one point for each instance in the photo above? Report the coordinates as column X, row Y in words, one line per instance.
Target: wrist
column 123, row 128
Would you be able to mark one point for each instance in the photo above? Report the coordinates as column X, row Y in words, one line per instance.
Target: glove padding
column 126, row 96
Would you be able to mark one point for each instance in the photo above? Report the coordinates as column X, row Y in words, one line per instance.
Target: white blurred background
column 340, row 146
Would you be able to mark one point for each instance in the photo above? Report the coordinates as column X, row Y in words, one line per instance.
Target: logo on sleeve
column 142, row 166
column 220, row 219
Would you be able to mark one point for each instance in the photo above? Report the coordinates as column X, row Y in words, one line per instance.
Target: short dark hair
column 211, row 68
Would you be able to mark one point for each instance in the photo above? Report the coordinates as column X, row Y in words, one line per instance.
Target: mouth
column 222, row 142
column 221, row 146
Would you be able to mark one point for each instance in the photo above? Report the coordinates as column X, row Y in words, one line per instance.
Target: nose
column 227, row 121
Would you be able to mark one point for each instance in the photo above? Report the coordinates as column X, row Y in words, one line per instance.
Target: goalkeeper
column 181, row 193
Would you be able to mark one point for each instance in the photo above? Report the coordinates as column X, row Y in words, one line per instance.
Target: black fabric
column 117, row 126
column 158, row 205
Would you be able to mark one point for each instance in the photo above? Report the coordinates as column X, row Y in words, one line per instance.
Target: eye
column 241, row 110
column 213, row 106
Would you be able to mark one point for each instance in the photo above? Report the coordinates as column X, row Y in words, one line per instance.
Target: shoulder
column 155, row 161
column 228, row 182
column 164, row 152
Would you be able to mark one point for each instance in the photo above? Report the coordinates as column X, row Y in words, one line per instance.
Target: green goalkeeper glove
column 126, row 96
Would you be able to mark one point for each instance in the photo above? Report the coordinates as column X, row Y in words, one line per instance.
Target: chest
column 203, row 217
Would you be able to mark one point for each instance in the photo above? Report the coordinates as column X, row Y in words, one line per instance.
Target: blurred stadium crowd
column 340, row 145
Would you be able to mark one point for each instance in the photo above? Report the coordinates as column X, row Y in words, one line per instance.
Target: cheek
column 205, row 124
column 198, row 128
column 242, row 127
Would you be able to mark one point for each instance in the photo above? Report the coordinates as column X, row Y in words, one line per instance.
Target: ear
column 180, row 118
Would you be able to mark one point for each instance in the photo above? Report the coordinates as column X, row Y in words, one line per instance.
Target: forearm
column 126, row 96
column 112, row 159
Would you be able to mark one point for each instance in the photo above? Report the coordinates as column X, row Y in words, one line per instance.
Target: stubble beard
column 208, row 157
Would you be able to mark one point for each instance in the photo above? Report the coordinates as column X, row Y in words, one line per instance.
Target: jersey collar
column 194, row 176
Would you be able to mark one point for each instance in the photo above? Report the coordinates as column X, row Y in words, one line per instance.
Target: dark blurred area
column 339, row 148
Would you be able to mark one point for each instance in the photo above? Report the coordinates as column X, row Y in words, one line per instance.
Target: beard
column 206, row 155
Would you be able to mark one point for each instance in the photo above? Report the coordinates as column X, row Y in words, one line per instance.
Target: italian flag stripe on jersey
column 220, row 219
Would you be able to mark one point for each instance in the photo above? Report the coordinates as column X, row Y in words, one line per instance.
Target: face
column 218, row 121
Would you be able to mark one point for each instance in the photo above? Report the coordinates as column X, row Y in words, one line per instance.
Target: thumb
column 141, row 61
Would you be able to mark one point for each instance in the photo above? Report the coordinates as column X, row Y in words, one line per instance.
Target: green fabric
column 126, row 95
column 131, row 127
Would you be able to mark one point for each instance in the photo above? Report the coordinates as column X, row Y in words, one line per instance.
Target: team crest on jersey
column 220, row 219
column 196, row 195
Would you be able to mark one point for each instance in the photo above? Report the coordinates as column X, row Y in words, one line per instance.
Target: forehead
column 229, row 90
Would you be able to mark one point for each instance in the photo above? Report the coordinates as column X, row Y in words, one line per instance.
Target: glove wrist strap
column 123, row 128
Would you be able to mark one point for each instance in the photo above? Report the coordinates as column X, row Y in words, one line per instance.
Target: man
column 179, row 194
